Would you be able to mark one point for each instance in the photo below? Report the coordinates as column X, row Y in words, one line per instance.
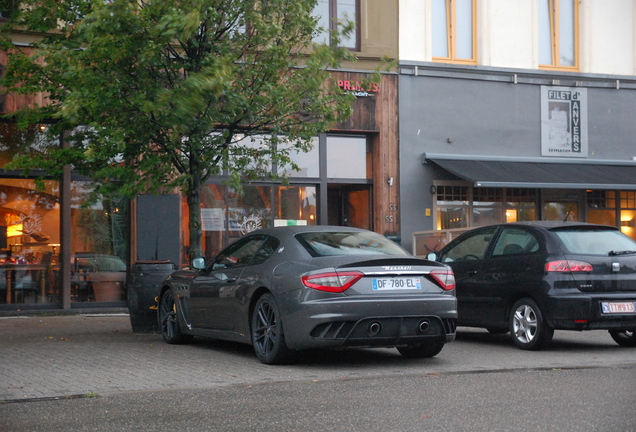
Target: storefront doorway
column 349, row 205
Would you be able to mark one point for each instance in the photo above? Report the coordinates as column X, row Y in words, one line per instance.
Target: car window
column 348, row 243
column 473, row 246
column 265, row 250
column 515, row 241
column 239, row 254
column 596, row 241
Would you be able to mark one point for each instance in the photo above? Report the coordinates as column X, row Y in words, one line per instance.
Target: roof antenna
column 567, row 216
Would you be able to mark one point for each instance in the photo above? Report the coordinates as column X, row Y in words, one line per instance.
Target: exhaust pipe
column 423, row 326
column 374, row 328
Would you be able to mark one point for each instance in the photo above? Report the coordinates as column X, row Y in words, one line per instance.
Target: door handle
column 471, row 272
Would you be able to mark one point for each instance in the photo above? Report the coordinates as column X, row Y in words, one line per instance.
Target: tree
column 154, row 95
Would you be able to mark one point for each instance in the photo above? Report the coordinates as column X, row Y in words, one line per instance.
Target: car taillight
column 332, row 281
column 568, row 266
column 445, row 278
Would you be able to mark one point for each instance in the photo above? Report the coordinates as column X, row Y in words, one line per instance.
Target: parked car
column 530, row 278
column 286, row 289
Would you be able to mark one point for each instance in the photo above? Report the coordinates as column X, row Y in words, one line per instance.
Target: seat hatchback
column 530, row 278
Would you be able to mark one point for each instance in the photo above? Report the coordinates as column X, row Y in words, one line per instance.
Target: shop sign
column 358, row 89
column 564, row 121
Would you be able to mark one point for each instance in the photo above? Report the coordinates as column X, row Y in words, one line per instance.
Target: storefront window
column 227, row 215
column 487, row 206
column 348, row 158
column 628, row 213
column 29, row 242
column 99, row 244
column 308, row 162
column 452, row 207
column 601, row 207
column 521, row 205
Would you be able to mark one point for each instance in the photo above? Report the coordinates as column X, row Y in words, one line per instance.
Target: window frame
column 333, row 23
column 451, row 35
column 554, row 10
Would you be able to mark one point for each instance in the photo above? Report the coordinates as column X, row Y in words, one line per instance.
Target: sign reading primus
column 357, row 88
column 563, row 121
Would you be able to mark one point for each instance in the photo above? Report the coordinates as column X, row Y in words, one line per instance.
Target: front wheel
column 421, row 350
column 528, row 329
column 268, row 337
column 169, row 321
column 626, row 338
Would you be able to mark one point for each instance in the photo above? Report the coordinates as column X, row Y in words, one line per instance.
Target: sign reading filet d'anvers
column 563, row 121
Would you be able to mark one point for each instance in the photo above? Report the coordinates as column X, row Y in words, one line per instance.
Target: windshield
column 348, row 243
column 596, row 242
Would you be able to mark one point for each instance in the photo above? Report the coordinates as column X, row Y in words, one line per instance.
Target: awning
column 533, row 174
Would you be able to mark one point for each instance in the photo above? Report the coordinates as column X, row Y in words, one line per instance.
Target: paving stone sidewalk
column 96, row 354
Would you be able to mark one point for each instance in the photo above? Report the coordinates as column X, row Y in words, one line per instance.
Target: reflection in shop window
column 307, row 162
column 521, row 204
column 99, row 244
column 487, row 206
column 295, row 206
column 226, row 215
column 348, row 158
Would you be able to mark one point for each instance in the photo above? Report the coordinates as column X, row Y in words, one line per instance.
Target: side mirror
column 198, row 263
column 432, row 256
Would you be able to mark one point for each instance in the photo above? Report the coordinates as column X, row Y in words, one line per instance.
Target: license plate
column 396, row 283
column 618, row 307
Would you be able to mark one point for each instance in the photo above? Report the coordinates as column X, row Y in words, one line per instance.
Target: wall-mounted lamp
column 631, row 223
column 390, row 181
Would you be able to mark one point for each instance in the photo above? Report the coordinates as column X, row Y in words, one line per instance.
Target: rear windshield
column 596, row 242
column 348, row 243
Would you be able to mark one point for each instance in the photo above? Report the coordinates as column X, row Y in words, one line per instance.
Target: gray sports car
column 286, row 289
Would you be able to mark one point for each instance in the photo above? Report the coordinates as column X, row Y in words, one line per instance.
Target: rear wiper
column 626, row 252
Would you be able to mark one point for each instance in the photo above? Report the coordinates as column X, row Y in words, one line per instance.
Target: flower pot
column 108, row 286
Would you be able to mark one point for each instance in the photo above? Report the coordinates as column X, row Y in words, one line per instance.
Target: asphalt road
column 96, row 375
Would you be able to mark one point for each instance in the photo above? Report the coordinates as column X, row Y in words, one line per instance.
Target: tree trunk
column 194, row 212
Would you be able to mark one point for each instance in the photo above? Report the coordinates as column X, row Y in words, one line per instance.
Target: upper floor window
column 558, row 34
column 331, row 13
column 454, row 30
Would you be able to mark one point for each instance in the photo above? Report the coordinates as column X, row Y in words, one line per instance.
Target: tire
column 268, row 337
column 421, row 350
column 528, row 329
column 169, row 321
column 626, row 338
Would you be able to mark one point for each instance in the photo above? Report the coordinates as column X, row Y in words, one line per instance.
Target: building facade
column 59, row 254
column 515, row 111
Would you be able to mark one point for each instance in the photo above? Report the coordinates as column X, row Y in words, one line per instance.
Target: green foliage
column 156, row 95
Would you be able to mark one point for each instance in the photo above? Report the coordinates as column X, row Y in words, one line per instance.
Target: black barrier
column 143, row 289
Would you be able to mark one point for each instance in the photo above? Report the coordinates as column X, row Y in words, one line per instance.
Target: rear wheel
column 626, row 338
column 168, row 320
column 528, row 329
column 421, row 350
column 268, row 337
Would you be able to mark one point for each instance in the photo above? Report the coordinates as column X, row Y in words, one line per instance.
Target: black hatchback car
column 531, row 278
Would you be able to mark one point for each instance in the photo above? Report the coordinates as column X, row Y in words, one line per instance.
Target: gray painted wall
column 482, row 115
